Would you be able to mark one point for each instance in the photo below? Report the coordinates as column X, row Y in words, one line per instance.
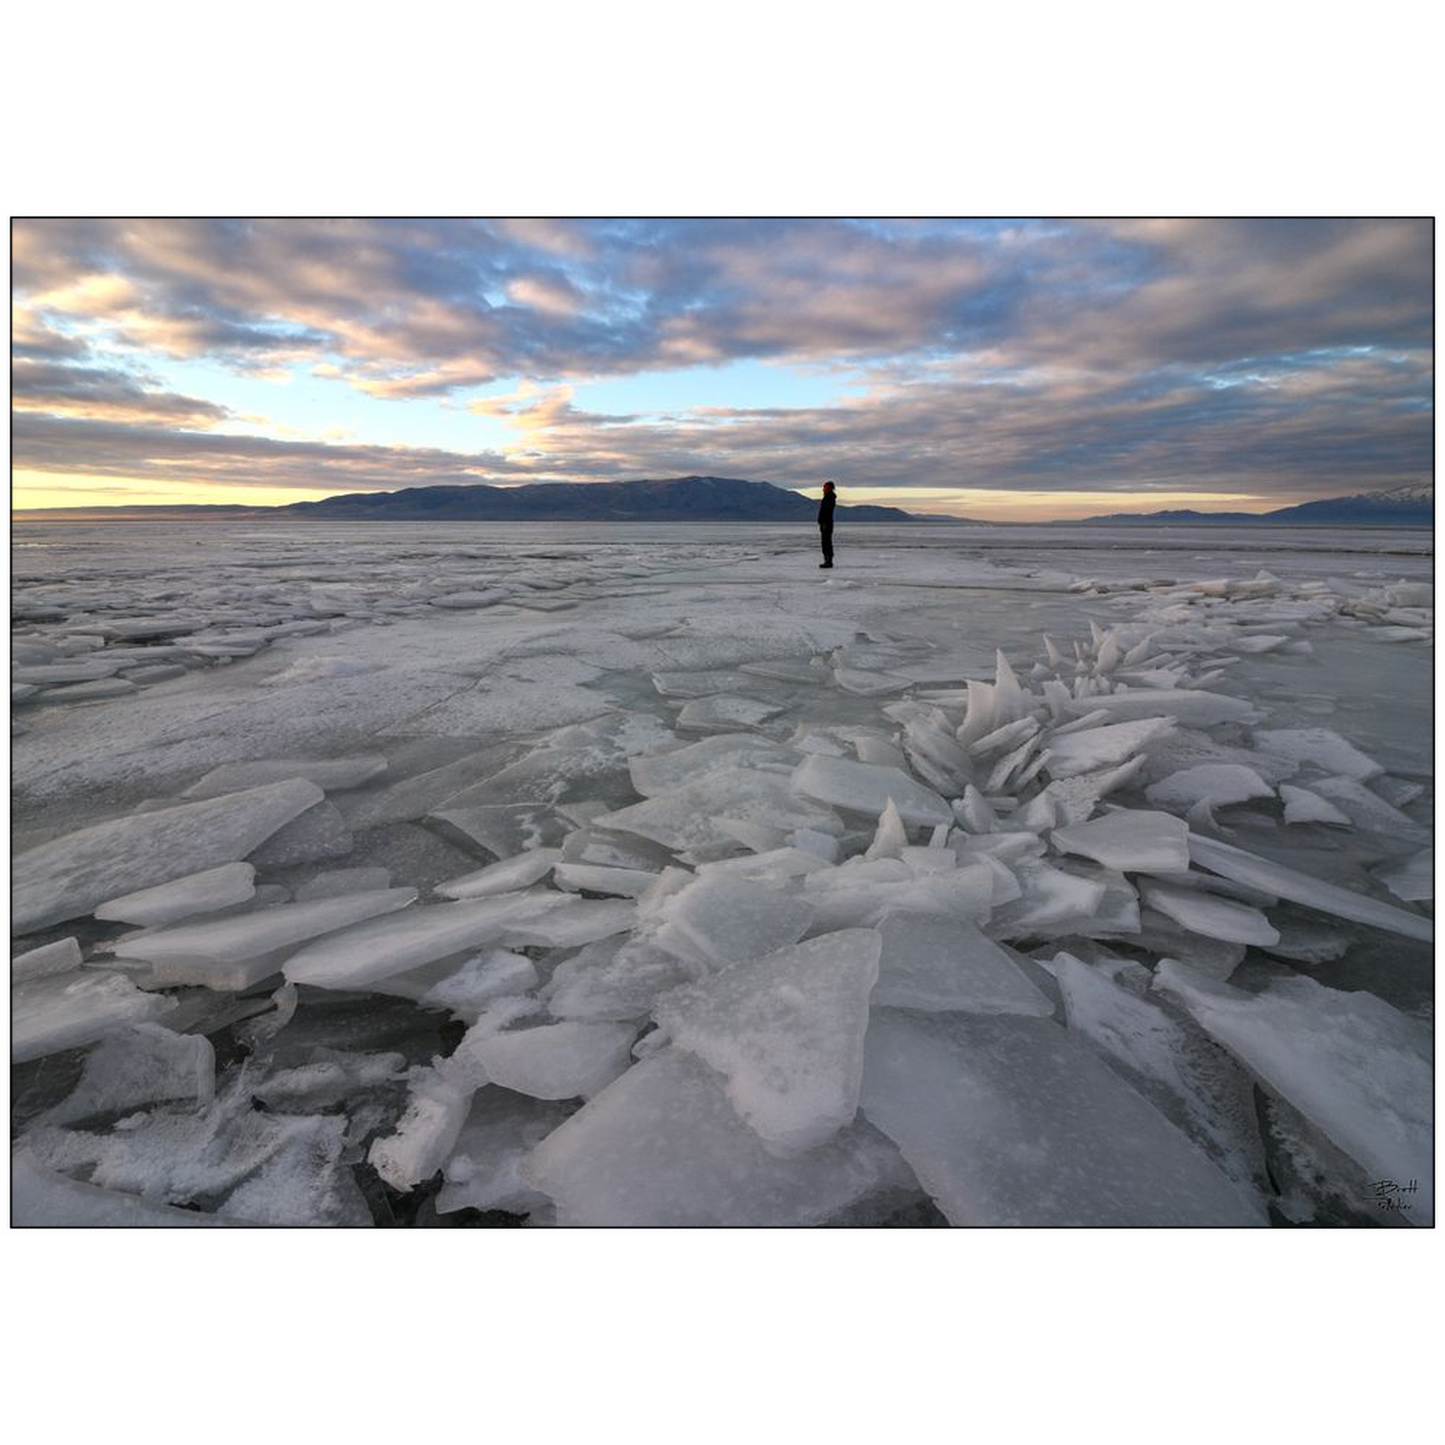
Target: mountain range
column 1412, row 506
column 718, row 499
column 675, row 499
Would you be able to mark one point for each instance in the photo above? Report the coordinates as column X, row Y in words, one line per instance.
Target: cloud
column 103, row 393
column 1287, row 357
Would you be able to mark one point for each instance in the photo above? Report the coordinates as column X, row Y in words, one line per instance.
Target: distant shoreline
column 221, row 513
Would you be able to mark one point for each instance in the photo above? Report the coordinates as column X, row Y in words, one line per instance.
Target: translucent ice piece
column 786, row 1031
column 566, row 1060
column 1010, row 1121
column 69, row 876
column 663, row 1147
column 197, row 893
column 1132, row 840
column 720, row 920
column 938, row 964
column 867, row 788
column 1210, row 915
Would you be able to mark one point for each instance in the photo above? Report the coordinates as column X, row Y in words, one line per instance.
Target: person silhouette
column 825, row 523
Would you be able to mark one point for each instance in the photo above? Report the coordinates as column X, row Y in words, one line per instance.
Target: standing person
column 825, row 523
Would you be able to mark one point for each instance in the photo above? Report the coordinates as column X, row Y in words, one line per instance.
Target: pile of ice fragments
column 993, row 962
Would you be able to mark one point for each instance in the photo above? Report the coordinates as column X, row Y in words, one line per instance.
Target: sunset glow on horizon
column 1005, row 371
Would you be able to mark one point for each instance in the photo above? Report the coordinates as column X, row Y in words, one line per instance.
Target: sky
column 1007, row 370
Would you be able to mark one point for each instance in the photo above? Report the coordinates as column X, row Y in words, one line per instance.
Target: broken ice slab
column 710, row 713
column 1366, row 810
column 239, row 951
column 687, row 817
column 1251, row 868
column 662, row 1146
column 568, row 1060
column 868, row 683
column 1194, row 709
column 65, row 1010
column 501, row 829
column 1303, row 806
column 858, row 895
column 1049, row 897
column 1184, row 1074
column 504, row 877
column 1207, row 914
column 485, row 1168
column 891, row 837
column 782, row 670
column 660, row 772
column 773, row 866
column 1413, row 879
column 1320, row 748
column 182, row 897
column 41, row 1198
column 492, row 974
column 1101, row 747
column 592, row 878
column 1217, row 784
column 384, row 947
column 48, row 674
column 96, row 691
column 1010, row 1121
column 786, row 1032
column 1132, row 840
column 938, row 964
column 589, row 920
column 59, row 957
column 141, row 1065
column 328, row 774
column 68, row 876
column 720, row 919
column 698, row 684
column 868, row 788
column 466, row 601
column 1358, row 1069
column 318, row 834
column 436, row 1109
column 612, row 979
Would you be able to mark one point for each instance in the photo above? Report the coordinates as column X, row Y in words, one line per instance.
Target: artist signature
column 1388, row 1193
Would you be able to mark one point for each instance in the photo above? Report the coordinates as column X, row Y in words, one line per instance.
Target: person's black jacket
column 825, row 509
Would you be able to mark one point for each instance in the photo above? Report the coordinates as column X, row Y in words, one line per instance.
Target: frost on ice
column 494, row 884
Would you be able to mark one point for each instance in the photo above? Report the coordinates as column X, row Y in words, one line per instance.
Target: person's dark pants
column 825, row 535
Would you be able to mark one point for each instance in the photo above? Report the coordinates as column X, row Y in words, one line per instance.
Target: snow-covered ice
column 1050, row 876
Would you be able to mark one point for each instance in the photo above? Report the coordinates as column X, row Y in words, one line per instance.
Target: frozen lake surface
column 646, row 874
